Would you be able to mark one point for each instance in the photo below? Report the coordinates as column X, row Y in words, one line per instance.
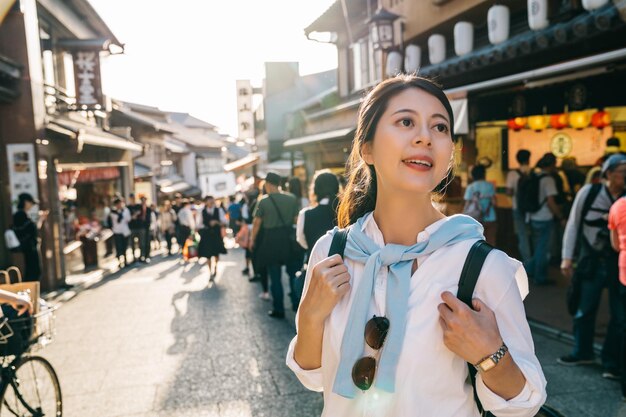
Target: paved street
column 158, row 341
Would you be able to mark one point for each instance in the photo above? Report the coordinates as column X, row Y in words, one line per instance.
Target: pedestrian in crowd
column 186, row 221
column 136, row 227
column 575, row 179
column 27, row 231
column 314, row 221
column 242, row 238
column 234, row 214
column 402, row 151
column 176, row 206
column 276, row 214
column 294, row 186
column 612, row 147
column 212, row 220
column 145, row 218
column 167, row 224
column 260, row 269
column 617, row 226
column 482, row 194
column 519, row 219
column 596, row 267
column 542, row 220
column 105, row 222
column 155, row 231
column 120, row 217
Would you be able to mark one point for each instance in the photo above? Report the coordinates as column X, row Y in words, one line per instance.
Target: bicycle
column 29, row 386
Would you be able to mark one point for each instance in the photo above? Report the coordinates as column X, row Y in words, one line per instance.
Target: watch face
column 487, row 364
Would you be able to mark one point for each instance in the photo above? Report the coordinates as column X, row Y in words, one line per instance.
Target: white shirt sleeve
column 570, row 234
column 511, row 180
column 550, row 186
column 300, row 238
column 311, row 379
column 515, row 331
column 223, row 218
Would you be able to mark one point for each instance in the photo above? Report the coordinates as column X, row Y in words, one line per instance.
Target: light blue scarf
column 399, row 258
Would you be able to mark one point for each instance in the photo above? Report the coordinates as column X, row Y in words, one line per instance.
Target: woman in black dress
column 26, row 231
column 211, row 242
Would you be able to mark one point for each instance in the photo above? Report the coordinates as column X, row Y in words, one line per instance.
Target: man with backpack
column 596, row 267
column 513, row 178
column 536, row 199
column 234, row 215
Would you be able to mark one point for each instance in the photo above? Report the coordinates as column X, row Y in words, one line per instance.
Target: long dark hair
column 359, row 196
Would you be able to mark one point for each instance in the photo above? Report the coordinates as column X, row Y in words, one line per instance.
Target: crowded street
column 160, row 340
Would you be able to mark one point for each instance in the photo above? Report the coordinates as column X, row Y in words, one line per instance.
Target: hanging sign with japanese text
column 22, row 171
column 245, row 115
column 87, row 79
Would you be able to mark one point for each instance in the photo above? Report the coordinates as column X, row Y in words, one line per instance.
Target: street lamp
column 382, row 34
column 381, row 29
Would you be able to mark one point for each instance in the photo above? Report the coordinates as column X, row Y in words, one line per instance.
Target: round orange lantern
column 538, row 123
column 600, row 119
column 516, row 123
column 579, row 119
column 558, row 121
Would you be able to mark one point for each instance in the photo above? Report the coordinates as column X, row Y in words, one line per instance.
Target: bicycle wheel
column 33, row 392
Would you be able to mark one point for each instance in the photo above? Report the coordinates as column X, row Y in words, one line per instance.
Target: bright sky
column 185, row 55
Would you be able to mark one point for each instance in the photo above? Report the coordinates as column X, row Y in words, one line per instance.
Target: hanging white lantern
column 394, row 64
column 412, row 58
column 498, row 19
column 436, row 48
column 538, row 14
column 463, row 38
column 590, row 5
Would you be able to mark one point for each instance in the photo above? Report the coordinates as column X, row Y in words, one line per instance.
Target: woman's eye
column 406, row 122
column 441, row 128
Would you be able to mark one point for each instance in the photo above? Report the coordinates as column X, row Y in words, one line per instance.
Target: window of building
column 366, row 64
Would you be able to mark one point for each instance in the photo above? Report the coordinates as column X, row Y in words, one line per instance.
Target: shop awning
column 142, row 171
column 91, row 135
column 175, row 146
column 318, row 137
column 242, row 163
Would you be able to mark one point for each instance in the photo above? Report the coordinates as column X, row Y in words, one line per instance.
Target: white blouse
column 430, row 379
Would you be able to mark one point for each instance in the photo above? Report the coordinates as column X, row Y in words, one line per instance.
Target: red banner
column 88, row 175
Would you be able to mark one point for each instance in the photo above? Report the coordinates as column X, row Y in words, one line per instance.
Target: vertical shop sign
column 22, row 171
column 245, row 116
column 87, row 79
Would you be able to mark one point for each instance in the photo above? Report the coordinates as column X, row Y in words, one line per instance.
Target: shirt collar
column 370, row 228
column 324, row 201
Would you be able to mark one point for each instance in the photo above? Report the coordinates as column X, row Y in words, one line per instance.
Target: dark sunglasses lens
column 376, row 331
column 363, row 372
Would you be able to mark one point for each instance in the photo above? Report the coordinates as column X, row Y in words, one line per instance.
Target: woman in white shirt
column 120, row 216
column 403, row 149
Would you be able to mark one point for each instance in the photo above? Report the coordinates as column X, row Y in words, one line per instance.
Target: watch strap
column 495, row 357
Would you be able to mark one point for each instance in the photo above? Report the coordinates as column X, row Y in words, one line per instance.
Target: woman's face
column 27, row 205
column 412, row 146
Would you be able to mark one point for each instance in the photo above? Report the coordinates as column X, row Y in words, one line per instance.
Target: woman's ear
column 366, row 153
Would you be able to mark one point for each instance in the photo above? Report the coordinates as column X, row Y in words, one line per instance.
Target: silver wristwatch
column 491, row 361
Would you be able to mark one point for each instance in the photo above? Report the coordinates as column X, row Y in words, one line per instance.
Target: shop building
column 55, row 134
column 497, row 63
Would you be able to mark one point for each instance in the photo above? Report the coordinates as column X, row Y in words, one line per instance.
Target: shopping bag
column 16, row 286
column 190, row 250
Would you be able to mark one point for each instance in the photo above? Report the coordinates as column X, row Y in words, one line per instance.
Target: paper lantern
column 600, row 119
column 558, row 121
column 463, row 38
column 394, row 64
column 591, row 5
column 436, row 48
column 579, row 119
column 538, row 123
column 538, row 14
column 516, row 123
column 498, row 20
column 412, row 58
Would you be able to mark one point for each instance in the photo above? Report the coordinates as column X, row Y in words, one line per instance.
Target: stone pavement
column 160, row 340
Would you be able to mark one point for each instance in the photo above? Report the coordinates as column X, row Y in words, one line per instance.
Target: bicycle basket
column 15, row 332
column 19, row 333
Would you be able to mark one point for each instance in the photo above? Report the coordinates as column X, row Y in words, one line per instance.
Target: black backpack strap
column 338, row 244
column 469, row 276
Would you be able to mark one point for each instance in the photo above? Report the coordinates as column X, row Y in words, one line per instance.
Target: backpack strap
column 469, row 276
column 338, row 244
